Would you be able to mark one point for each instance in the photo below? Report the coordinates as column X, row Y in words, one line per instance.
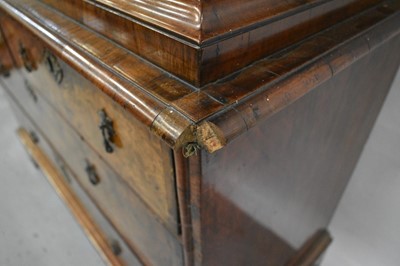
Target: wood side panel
column 141, row 229
column 268, row 191
column 79, row 101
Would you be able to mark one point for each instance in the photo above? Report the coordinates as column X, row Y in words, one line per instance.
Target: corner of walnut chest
column 179, row 132
column 207, row 136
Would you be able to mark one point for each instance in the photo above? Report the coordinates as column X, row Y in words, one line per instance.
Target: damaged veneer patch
column 210, row 137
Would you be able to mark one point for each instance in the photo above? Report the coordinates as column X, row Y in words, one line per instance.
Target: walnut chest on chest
column 199, row 132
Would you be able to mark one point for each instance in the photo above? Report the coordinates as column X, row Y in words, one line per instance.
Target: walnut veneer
column 199, row 132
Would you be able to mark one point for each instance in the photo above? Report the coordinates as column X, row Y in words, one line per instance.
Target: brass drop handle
column 26, row 58
column 91, row 173
column 107, row 131
column 63, row 169
column 54, row 67
column 115, row 247
column 30, row 90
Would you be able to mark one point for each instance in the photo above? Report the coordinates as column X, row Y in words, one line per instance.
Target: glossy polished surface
column 201, row 21
column 131, row 88
column 181, row 17
column 256, row 161
column 270, row 190
column 232, row 35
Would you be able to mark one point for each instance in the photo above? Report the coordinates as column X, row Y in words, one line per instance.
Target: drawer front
column 116, row 242
column 143, row 232
column 142, row 160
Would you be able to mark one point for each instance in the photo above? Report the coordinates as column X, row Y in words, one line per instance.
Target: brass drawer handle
column 91, row 172
column 30, row 90
column 107, row 131
column 64, row 170
column 26, row 58
column 115, row 247
column 54, row 67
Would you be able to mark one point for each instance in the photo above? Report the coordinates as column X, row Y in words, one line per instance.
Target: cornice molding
column 203, row 21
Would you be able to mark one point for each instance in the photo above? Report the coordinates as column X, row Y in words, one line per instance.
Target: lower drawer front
column 142, row 231
column 116, row 243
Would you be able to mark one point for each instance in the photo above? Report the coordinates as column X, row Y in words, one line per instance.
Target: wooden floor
column 36, row 228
